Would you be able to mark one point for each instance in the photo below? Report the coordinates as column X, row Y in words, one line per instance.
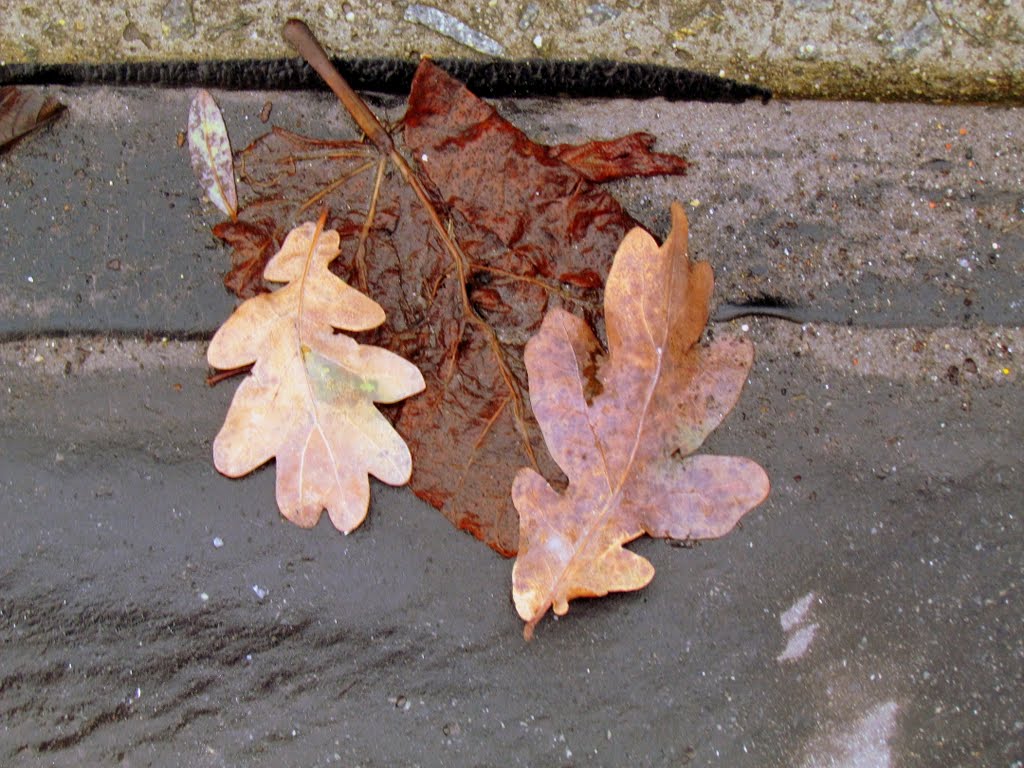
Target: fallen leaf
column 22, row 112
column 622, row 428
column 309, row 399
column 467, row 232
column 210, row 150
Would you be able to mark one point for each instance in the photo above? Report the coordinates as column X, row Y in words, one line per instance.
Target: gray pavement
column 153, row 612
column 865, row 615
column 131, row 638
column 879, row 215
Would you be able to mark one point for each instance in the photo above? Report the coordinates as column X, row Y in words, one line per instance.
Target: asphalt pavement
column 154, row 612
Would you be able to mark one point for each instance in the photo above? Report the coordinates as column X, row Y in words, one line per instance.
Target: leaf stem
column 301, row 38
column 216, row 378
column 362, row 270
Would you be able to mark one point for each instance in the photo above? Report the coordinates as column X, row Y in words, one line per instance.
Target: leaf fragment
column 210, row 151
column 622, row 428
column 630, row 155
column 23, row 111
column 308, row 401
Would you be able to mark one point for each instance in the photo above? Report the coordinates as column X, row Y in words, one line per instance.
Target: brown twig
column 216, row 378
column 301, row 38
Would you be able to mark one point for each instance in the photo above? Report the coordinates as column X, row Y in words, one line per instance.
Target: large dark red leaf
column 466, row 232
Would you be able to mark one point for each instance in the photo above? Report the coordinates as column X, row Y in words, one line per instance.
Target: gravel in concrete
column 936, row 50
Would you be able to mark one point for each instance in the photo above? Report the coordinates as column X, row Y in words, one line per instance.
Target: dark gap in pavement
column 492, row 79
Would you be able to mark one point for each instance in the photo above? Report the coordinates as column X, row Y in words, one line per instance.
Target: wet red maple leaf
column 466, row 232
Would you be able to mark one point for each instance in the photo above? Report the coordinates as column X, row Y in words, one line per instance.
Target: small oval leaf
column 210, row 150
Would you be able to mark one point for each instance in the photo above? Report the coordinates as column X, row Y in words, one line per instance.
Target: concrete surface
column 867, row 614
column 851, row 212
column 153, row 612
column 897, row 49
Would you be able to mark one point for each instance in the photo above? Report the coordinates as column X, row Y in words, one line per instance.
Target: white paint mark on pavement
column 793, row 619
column 864, row 745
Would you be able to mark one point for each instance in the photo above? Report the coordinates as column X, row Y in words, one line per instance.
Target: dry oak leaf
column 622, row 427
column 466, row 231
column 309, row 400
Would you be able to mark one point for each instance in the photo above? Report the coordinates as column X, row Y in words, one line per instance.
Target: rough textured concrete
column 935, row 50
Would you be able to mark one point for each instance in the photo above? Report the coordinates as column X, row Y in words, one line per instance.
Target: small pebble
column 260, row 591
column 451, row 729
column 448, row 25
column 599, row 13
column 529, row 15
column 218, row 542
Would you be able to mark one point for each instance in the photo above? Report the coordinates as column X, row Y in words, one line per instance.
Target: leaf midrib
column 614, row 492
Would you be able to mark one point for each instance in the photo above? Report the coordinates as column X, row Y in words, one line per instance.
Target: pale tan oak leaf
column 309, row 399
